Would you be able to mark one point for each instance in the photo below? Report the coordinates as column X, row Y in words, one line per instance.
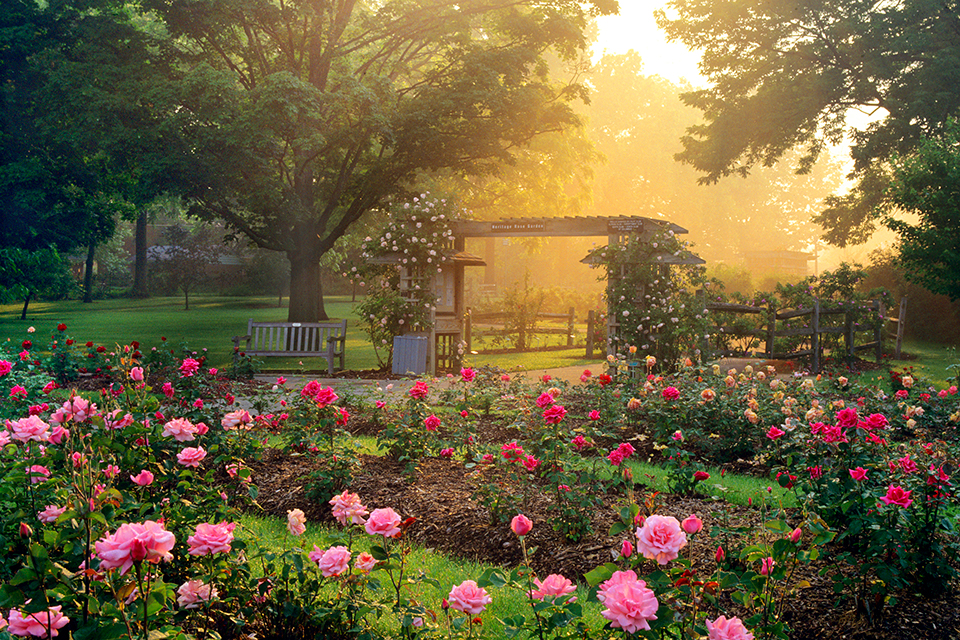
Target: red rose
column 101, row 349
column 69, row 341
column 27, row 345
column 90, row 344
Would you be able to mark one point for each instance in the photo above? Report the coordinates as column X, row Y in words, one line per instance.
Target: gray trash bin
column 410, row 354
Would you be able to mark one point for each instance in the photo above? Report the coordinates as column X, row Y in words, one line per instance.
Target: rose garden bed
column 118, row 519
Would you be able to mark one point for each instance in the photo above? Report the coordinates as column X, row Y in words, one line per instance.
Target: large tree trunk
column 88, row 273
column 140, row 287
column 306, row 294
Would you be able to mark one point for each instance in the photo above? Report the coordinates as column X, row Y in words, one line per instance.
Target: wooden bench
column 295, row 339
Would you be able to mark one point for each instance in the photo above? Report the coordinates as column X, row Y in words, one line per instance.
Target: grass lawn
column 212, row 321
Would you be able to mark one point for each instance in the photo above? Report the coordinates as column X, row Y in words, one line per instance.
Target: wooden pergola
column 446, row 333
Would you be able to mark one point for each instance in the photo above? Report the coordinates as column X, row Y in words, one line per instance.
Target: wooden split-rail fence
column 813, row 330
column 494, row 324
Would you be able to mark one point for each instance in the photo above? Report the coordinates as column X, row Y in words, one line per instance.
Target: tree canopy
column 785, row 74
column 299, row 117
column 927, row 183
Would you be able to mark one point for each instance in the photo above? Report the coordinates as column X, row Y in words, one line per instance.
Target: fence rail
column 496, row 318
column 768, row 331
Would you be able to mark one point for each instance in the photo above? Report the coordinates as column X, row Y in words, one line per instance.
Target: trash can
column 410, row 354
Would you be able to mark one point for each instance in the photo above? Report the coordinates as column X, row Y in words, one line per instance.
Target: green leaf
column 601, row 573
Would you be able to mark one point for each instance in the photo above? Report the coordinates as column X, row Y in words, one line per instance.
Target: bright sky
column 636, row 29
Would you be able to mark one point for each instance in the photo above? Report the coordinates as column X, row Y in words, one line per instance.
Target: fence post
column 815, row 335
column 570, row 329
column 900, row 322
column 468, row 329
column 771, row 329
column 705, row 354
column 590, row 324
column 848, row 333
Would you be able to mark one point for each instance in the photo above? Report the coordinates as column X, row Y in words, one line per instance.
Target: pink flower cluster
column 211, row 538
column 630, row 605
column 661, row 538
column 419, row 390
column 239, row 419
column 347, row 508
column 135, row 542
column 621, row 453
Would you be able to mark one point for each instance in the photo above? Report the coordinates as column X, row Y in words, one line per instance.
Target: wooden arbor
column 617, row 229
column 446, row 280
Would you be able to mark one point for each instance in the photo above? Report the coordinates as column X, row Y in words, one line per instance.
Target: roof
column 565, row 226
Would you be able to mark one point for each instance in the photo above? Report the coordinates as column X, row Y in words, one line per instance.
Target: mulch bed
column 439, row 495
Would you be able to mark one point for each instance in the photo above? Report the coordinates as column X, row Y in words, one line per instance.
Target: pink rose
column 898, row 496
column 724, row 629
column 858, row 474
column 530, row 463
column 545, row 400
column 446, row 453
column 5, row 367
column 419, row 390
column 847, row 418
column 661, row 538
column 629, row 604
column 136, row 374
column 815, row 472
column 467, row 597
column 208, row 539
column 431, row 422
column 670, row 393
column 521, row 525
column 692, row 524
column 553, row 585
column 38, row 473
column 594, row 415
column 877, row 421
column 236, row 419
column 296, row 522
column 774, row 433
column 554, row 414
column 188, row 367
column 767, row 565
column 365, row 562
column 50, row 514
column 347, row 508
column 143, row 479
column 700, row 476
column 181, row 429
column 41, row 624
column 168, row 390
column 334, row 561
column 29, row 428
column 383, row 522
column 194, row 592
column 325, row 396
column 468, row 374
column 191, row 456
column 135, row 542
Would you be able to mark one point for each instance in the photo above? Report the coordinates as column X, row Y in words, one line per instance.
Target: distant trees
column 26, row 274
column 183, row 260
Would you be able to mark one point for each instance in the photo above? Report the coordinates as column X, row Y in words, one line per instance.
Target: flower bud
column 692, row 524
column 796, row 535
column 626, row 549
column 25, row 530
column 720, row 554
column 521, row 525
